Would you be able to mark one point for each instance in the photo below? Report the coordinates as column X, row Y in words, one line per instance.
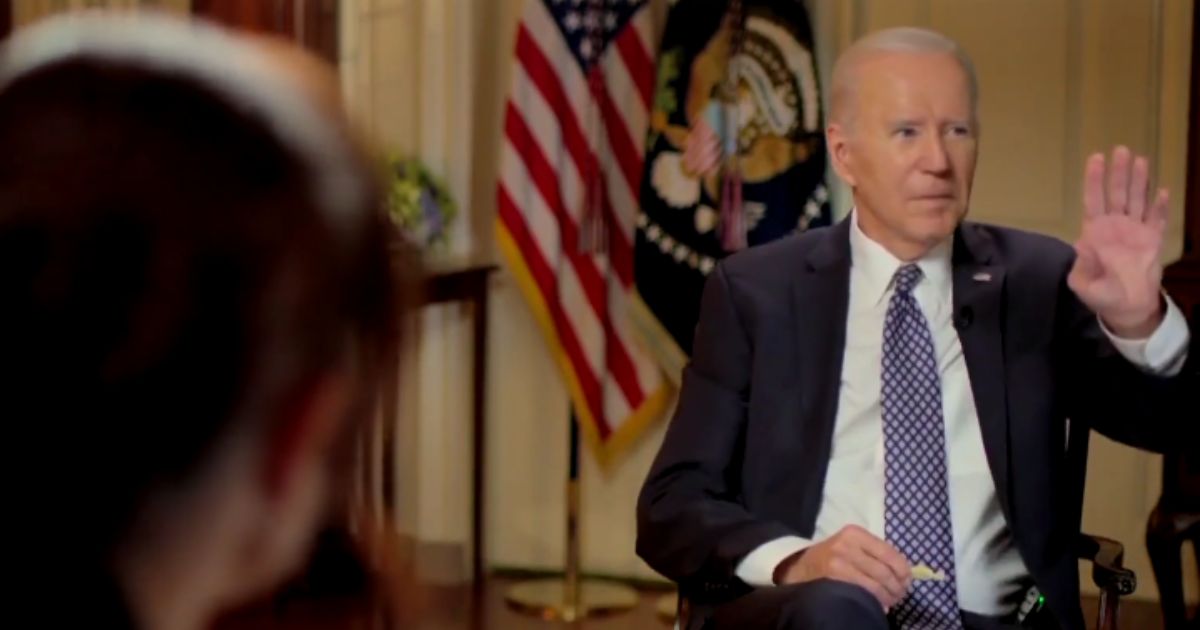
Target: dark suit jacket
column 745, row 457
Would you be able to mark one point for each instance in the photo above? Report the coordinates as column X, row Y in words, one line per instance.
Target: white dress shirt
column 989, row 567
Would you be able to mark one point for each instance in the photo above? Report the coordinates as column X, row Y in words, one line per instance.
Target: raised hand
column 1118, row 270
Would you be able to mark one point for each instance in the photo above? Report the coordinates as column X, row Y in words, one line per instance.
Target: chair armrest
column 1107, row 556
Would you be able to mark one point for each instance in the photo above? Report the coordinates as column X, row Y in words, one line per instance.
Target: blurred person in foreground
column 884, row 423
column 198, row 300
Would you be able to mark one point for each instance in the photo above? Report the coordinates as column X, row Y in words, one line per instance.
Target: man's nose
column 934, row 158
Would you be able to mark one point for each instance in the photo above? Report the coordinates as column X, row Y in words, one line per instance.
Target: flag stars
column 591, row 20
column 591, row 25
column 610, row 21
column 572, row 21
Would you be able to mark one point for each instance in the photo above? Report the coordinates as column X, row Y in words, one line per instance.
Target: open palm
column 1118, row 273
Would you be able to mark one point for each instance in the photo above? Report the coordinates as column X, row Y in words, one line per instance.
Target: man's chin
column 935, row 224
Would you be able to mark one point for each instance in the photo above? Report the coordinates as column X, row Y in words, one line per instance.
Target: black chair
column 1108, row 574
column 1175, row 519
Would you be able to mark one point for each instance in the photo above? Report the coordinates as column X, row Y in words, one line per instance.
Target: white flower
column 671, row 183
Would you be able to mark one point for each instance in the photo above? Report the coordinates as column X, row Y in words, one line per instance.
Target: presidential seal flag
column 570, row 171
column 735, row 155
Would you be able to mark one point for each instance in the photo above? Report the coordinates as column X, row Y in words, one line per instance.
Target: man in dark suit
column 873, row 430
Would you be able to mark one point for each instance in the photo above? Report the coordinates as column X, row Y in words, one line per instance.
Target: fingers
column 1157, row 215
column 1138, row 181
column 878, row 560
column 1118, row 181
column 846, row 572
column 888, row 556
column 1093, row 186
column 1123, row 189
column 856, row 556
column 882, row 575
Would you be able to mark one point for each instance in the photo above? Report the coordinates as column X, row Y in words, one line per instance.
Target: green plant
column 418, row 202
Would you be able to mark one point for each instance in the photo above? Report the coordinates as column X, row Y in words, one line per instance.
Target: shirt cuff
column 758, row 567
column 1164, row 351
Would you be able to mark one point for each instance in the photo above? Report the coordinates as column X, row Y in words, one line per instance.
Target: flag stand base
column 550, row 599
column 570, row 598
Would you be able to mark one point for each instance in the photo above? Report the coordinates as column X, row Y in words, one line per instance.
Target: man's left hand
column 1118, row 268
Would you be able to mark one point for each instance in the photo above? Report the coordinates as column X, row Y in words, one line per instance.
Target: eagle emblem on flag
column 735, row 154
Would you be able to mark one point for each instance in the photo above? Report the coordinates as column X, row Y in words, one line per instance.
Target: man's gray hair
column 900, row 39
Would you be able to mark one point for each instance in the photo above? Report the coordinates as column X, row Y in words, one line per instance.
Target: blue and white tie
column 916, row 490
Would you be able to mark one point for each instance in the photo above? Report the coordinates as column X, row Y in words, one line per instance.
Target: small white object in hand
column 923, row 572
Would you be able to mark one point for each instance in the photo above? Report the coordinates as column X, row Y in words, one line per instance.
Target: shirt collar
column 877, row 266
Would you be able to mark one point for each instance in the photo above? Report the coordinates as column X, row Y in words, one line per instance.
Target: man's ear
column 838, row 141
column 304, row 432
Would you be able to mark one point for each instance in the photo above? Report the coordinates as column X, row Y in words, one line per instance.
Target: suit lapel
column 979, row 316
column 820, row 299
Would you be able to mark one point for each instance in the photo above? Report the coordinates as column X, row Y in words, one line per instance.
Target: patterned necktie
column 916, row 494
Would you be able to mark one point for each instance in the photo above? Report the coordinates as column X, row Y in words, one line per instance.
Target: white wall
column 409, row 71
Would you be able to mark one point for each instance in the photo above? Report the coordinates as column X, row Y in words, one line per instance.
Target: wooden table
column 465, row 282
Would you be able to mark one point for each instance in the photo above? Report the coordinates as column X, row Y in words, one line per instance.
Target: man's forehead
column 911, row 78
column 894, row 64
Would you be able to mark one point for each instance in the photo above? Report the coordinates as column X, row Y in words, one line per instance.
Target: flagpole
column 571, row 597
column 571, row 576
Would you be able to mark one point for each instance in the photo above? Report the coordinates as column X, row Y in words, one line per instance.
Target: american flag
column 574, row 132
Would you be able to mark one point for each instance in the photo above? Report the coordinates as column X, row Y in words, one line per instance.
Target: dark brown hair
column 167, row 277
